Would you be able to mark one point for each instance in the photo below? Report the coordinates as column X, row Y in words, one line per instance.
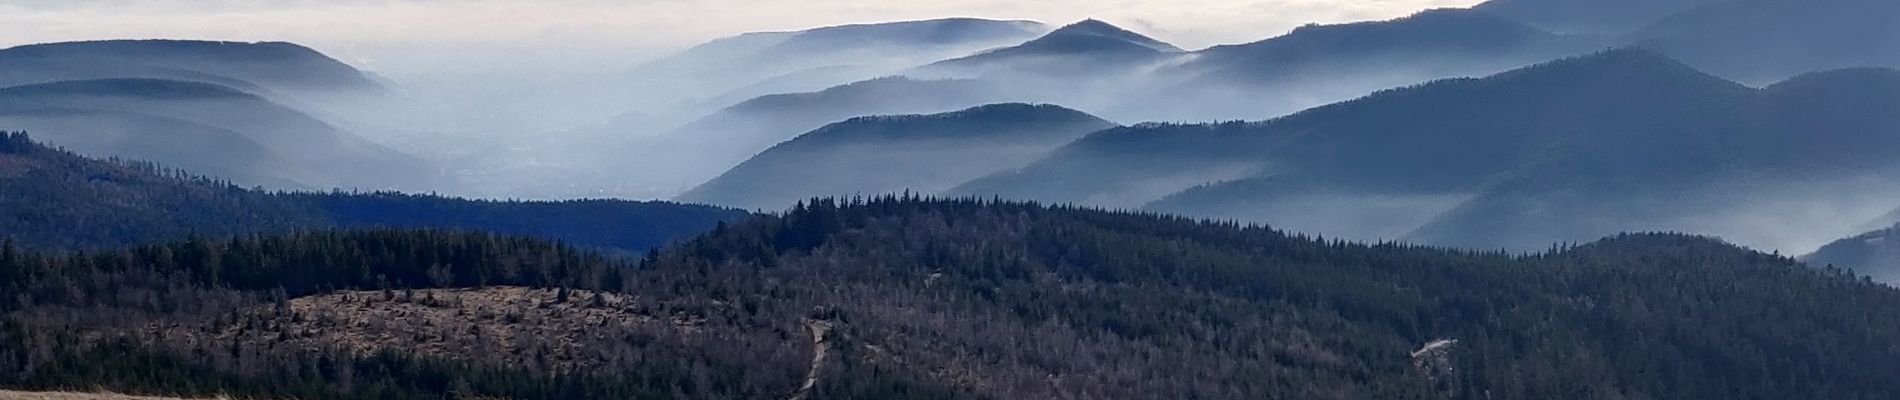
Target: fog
column 539, row 67
column 403, row 37
column 648, row 99
column 580, row 98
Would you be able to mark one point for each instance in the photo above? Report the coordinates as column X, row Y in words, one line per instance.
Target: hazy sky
column 414, row 36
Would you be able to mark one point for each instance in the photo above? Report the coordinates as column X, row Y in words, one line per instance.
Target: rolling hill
column 215, row 129
column 888, row 154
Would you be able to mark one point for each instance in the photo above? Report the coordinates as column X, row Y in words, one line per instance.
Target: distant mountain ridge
column 723, row 68
column 1763, row 41
column 227, row 122
column 273, row 66
column 271, row 114
column 701, row 150
column 1874, row 254
column 1604, row 17
column 1319, row 64
column 921, row 154
column 1414, row 163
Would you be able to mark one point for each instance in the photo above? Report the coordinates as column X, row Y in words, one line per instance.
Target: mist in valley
column 1462, row 149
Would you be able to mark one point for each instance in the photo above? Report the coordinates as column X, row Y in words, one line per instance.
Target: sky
column 411, row 37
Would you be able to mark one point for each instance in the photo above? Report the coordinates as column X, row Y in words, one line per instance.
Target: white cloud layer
column 422, row 36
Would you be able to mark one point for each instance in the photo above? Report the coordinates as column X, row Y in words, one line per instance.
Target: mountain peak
column 1089, row 45
column 1097, row 28
column 1092, row 26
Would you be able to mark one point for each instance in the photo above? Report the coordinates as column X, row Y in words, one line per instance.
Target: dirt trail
column 820, row 349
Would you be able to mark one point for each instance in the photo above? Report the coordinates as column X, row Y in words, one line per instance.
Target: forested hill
column 53, row 199
column 1117, row 305
column 910, row 298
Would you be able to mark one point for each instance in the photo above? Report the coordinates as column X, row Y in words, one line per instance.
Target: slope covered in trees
column 879, row 155
column 52, row 199
column 154, row 319
column 973, row 299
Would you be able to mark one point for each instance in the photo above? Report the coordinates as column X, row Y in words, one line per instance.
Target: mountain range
column 1088, row 65
column 207, row 127
column 1096, row 67
column 1761, row 41
column 677, row 160
column 1320, row 64
column 261, row 114
column 729, row 70
column 1566, row 151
